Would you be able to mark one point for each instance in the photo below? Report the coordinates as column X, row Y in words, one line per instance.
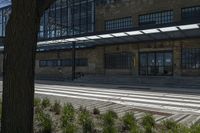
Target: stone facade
column 134, row 8
column 96, row 58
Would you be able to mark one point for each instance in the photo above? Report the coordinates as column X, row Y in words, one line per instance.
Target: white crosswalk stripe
column 177, row 102
column 183, row 106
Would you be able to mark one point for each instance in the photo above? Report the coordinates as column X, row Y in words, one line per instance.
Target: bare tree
column 19, row 64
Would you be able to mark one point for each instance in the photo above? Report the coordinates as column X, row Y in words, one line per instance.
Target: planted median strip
column 54, row 117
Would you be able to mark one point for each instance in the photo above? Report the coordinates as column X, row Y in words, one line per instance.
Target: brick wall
column 134, row 8
column 96, row 57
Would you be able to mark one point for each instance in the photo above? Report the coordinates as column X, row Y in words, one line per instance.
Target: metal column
column 73, row 60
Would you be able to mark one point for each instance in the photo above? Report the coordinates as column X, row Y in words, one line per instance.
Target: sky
column 4, row 3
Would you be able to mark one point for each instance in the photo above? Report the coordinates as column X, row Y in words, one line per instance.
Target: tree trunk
column 19, row 63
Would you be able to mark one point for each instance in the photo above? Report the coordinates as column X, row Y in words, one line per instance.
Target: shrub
column 45, row 103
column 56, row 108
column 37, row 102
column 45, row 122
column 129, row 121
column 195, row 128
column 38, row 109
column 169, row 125
column 67, row 119
column 148, row 123
column 68, row 113
column 86, row 121
column 109, row 122
column 70, row 128
column 182, row 129
column 96, row 111
column 173, row 127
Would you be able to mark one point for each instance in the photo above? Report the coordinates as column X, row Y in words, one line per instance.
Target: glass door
column 151, row 64
column 156, row 63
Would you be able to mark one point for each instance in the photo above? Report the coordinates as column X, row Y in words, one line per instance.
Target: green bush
column 67, row 119
column 45, row 103
column 129, row 122
column 45, row 122
column 169, row 125
column 68, row 113
column 109, row 122
column 173, row 127
column 56, row 107
column 38, row 109
column 96, row 111
column 70, row 128
column 37, row 102
column 195, row 128
column 148, row 122
column 86, row 121
column 183, row 129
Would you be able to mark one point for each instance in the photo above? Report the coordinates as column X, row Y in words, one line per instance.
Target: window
column 121, row 23
column 66, row 62
column 43, row 63
column 68, row 18
column 105, row 2
column 190, row 13
column 63, row 18
column 156, row 63
column 63, row 62
column 79, row 62
column 191, row 58
column 118, row 61
column 49, row 63
column 163, row 17
column 4, row 16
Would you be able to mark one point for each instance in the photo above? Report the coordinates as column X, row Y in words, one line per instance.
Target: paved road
column 180, row 107
column 137, row 98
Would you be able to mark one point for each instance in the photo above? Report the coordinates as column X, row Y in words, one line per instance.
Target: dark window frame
column 118, row 60
column 190, row 15
column 155, row 65
column 190, row 58
column 147, row 18
column 53, row 62
column 118, row 23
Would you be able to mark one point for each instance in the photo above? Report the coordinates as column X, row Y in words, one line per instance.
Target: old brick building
column 121, row 37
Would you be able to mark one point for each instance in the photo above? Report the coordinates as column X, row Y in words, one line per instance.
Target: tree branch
column 43, row 5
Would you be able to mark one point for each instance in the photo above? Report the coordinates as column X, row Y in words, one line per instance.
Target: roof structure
column 171, row 31
column 167, row 32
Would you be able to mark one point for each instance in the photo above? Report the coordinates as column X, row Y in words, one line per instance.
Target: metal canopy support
column 73, row 60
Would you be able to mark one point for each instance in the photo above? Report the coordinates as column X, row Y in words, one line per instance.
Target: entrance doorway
column 156, row 63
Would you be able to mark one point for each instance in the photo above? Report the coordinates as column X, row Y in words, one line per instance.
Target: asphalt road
column 146, row 99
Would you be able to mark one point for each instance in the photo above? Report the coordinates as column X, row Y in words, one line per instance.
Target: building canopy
column 134, row 35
